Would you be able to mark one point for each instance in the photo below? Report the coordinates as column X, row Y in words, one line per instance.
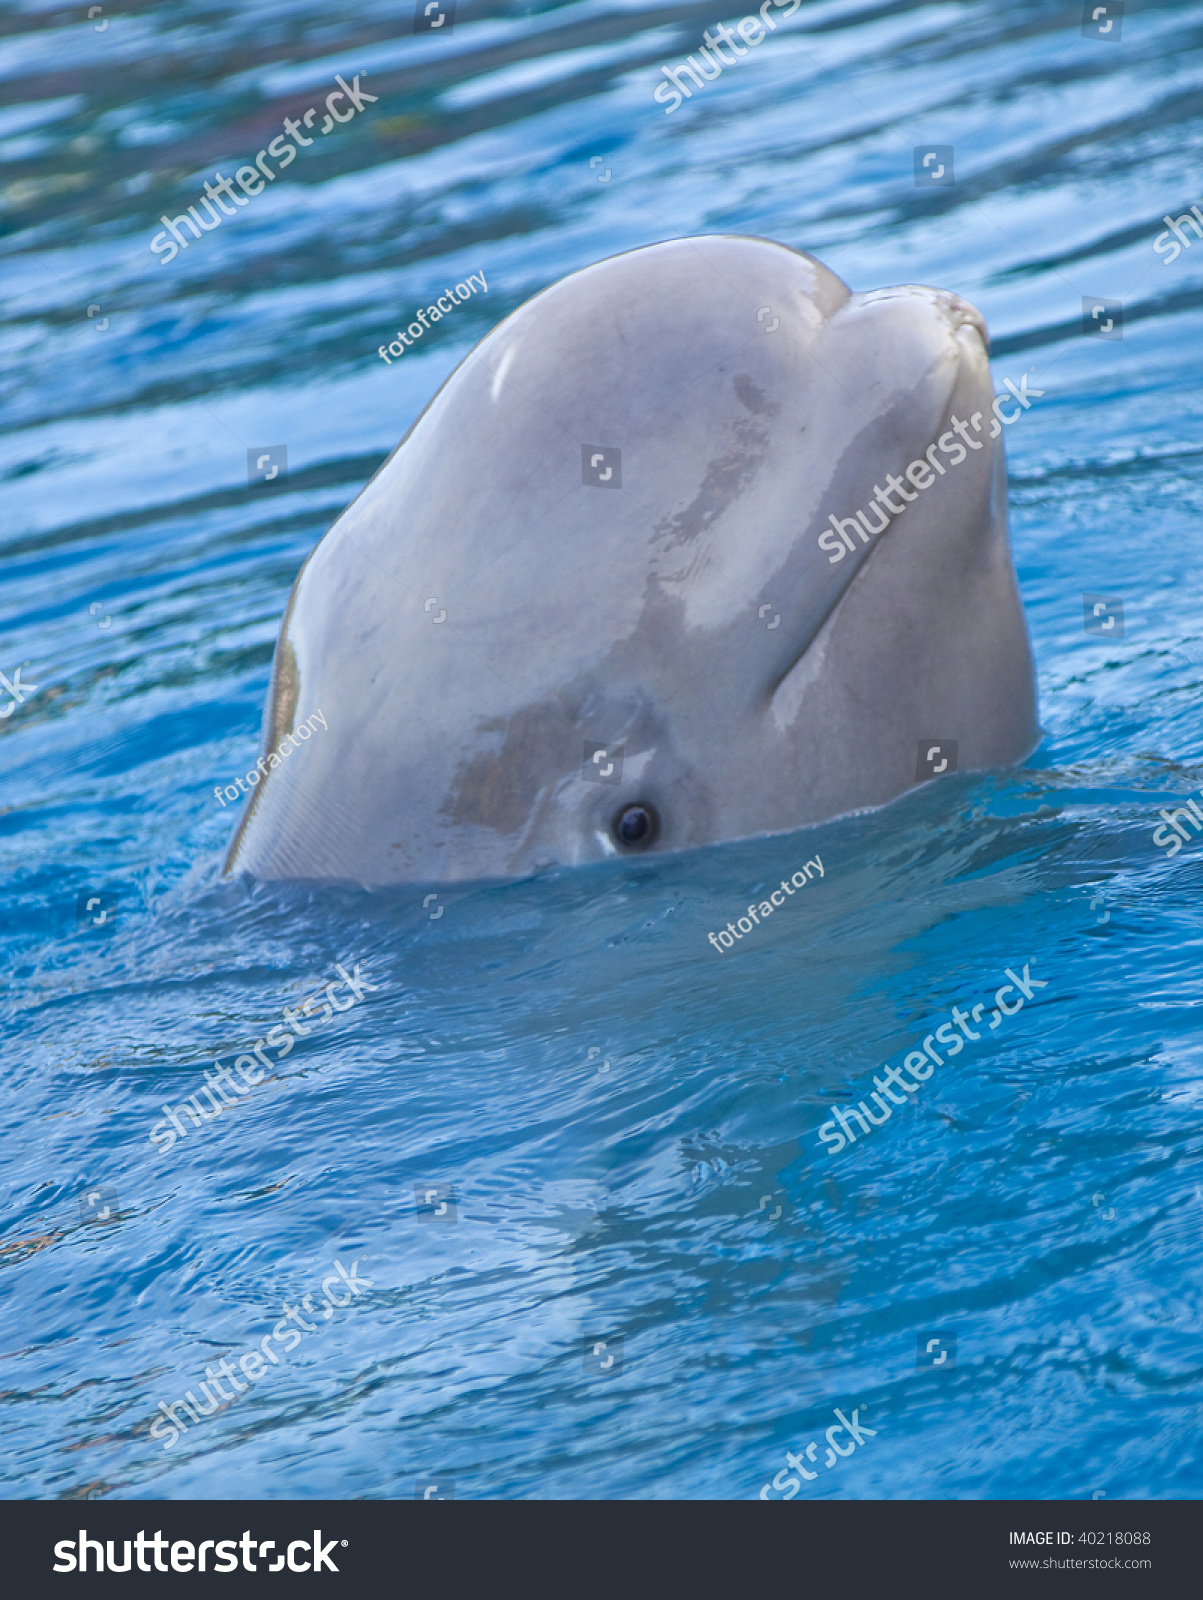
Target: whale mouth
column 964, row 314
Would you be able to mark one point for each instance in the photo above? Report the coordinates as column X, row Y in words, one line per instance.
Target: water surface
column 621, row 1124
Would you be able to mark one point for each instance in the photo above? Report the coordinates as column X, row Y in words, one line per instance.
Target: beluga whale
column 697, row 544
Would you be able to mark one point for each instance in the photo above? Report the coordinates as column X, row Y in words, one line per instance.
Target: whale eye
column 636, row 826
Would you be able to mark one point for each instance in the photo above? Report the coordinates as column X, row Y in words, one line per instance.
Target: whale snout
column 964, row 314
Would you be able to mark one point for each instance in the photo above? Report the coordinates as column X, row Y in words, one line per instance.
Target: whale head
column 695, row 545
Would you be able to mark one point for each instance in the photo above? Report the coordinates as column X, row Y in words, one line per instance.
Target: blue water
column 621, row 1125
